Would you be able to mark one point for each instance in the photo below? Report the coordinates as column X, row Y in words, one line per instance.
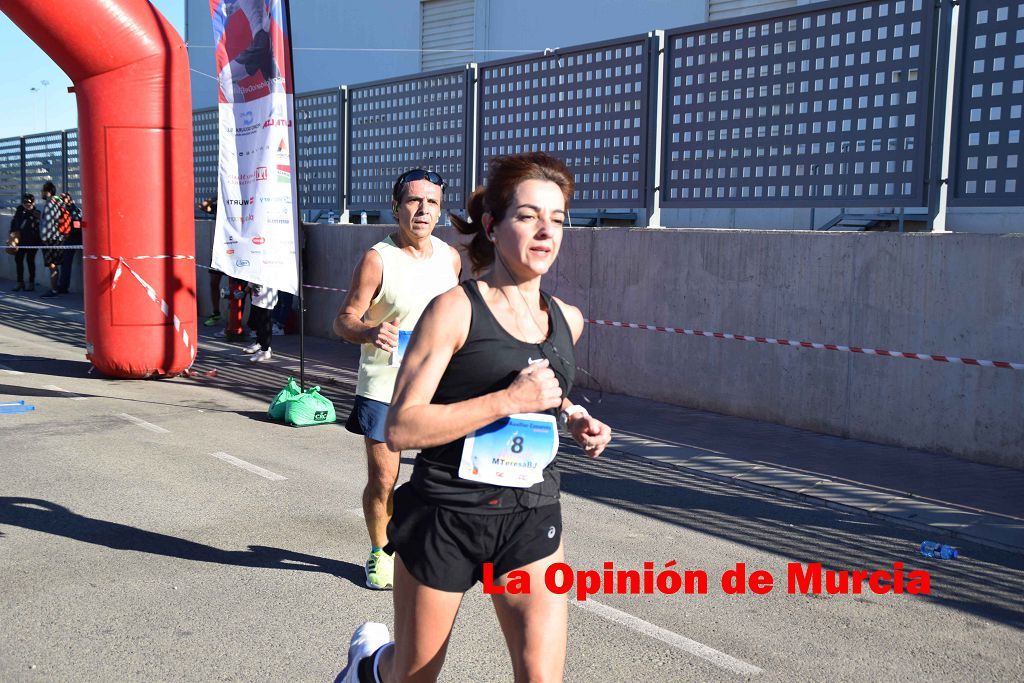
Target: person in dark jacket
column 74, row 238
column 52, row 234
column 26, row 223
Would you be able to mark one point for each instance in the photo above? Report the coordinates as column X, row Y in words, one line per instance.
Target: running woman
column 489, row 366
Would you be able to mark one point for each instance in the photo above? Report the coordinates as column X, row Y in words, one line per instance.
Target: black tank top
column 489, row 361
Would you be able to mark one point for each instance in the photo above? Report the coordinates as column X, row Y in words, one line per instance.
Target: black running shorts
column 446, row 549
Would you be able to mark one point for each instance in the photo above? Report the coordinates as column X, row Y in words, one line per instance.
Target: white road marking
column 69, row 394
column 8, row 371
column 142, row 423
column 719, row 659
column 248, row 466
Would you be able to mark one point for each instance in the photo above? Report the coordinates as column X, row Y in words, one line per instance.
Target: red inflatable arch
column 130, row 70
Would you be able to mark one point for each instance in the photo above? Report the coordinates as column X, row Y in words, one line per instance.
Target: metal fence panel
column 72, row 169
column 395, row 125
column 321, row 153
column 11, row 187
column 827, row 106
column 587, row 105
column 986, row 143
column 205, row 153
column 44, row 161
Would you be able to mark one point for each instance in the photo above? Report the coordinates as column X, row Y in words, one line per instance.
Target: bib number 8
column 517, row 444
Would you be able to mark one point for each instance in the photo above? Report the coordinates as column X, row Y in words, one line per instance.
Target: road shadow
column 51, row 518
column 38, row 365
column 985, row 581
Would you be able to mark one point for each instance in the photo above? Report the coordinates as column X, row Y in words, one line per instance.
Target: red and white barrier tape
column 174, row 257
column 814, row 345
column 329, row 289
column 1007, row 365
column 164, row 307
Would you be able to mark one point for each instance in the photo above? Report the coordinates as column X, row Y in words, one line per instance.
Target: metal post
column 24, row 171
column 472, row 131
column 342, row 151
column 942, row 114
column 656, row 77
column 301, row 229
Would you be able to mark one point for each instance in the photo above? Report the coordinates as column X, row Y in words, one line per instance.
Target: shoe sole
column 379, row 588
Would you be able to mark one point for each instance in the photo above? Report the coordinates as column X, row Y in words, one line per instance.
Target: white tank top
column 407, row 286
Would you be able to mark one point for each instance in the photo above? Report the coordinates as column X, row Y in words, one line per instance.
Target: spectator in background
column 262, row 301
column 26, row 223
column 55, row 226
column 74, row 238
column 282, row 311
column 209, row 206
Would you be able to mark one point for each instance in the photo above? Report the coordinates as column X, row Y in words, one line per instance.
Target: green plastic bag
column 280, row 403
column 308, row 409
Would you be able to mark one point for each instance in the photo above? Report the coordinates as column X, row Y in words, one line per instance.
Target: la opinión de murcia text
column 801, row 579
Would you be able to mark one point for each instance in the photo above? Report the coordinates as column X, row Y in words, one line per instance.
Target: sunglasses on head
column 417, row 174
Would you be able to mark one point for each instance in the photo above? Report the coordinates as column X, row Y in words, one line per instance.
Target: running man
column 392, row 284
column 489, row 366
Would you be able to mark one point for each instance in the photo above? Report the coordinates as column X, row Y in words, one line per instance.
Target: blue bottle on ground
column 933, row 549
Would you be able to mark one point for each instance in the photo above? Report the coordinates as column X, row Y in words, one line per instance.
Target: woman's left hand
column 591, row 434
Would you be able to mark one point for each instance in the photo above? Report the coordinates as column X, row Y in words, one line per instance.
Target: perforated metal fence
column 395, row 125
column 587, row 105
column 827, row 106
column 72, row 170
column 44, row 161
column 11, row 185
column 321, row 149
column 205, row 153
column 987, row 151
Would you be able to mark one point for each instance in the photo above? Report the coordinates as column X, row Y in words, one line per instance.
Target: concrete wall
column 949, row 294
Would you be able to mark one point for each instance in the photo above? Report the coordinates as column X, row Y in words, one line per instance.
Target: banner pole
column 300, row 248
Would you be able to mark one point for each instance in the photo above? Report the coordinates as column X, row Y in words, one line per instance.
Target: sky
column 25, row 66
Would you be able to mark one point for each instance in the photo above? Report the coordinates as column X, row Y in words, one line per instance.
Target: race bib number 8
column 512, row 451
column 403, row 344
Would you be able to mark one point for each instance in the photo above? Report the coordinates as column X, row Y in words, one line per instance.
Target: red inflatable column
column 130, row 70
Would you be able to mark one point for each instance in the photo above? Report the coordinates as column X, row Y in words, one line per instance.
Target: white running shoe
column 366, row 640
column 252, row 348
column 261, row 356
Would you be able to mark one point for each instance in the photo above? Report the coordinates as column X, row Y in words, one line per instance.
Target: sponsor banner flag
column 257, row 219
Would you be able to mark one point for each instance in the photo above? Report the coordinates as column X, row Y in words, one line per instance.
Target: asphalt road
column 130, row 551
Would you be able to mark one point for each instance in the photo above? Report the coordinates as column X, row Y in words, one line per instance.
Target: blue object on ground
column 13, row 403
column 16, row 408
column 933, row 549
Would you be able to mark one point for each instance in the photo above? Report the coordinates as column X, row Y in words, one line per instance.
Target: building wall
column 957, row 295
column 562, row 24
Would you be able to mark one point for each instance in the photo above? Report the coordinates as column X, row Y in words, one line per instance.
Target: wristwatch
column 566, row 413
